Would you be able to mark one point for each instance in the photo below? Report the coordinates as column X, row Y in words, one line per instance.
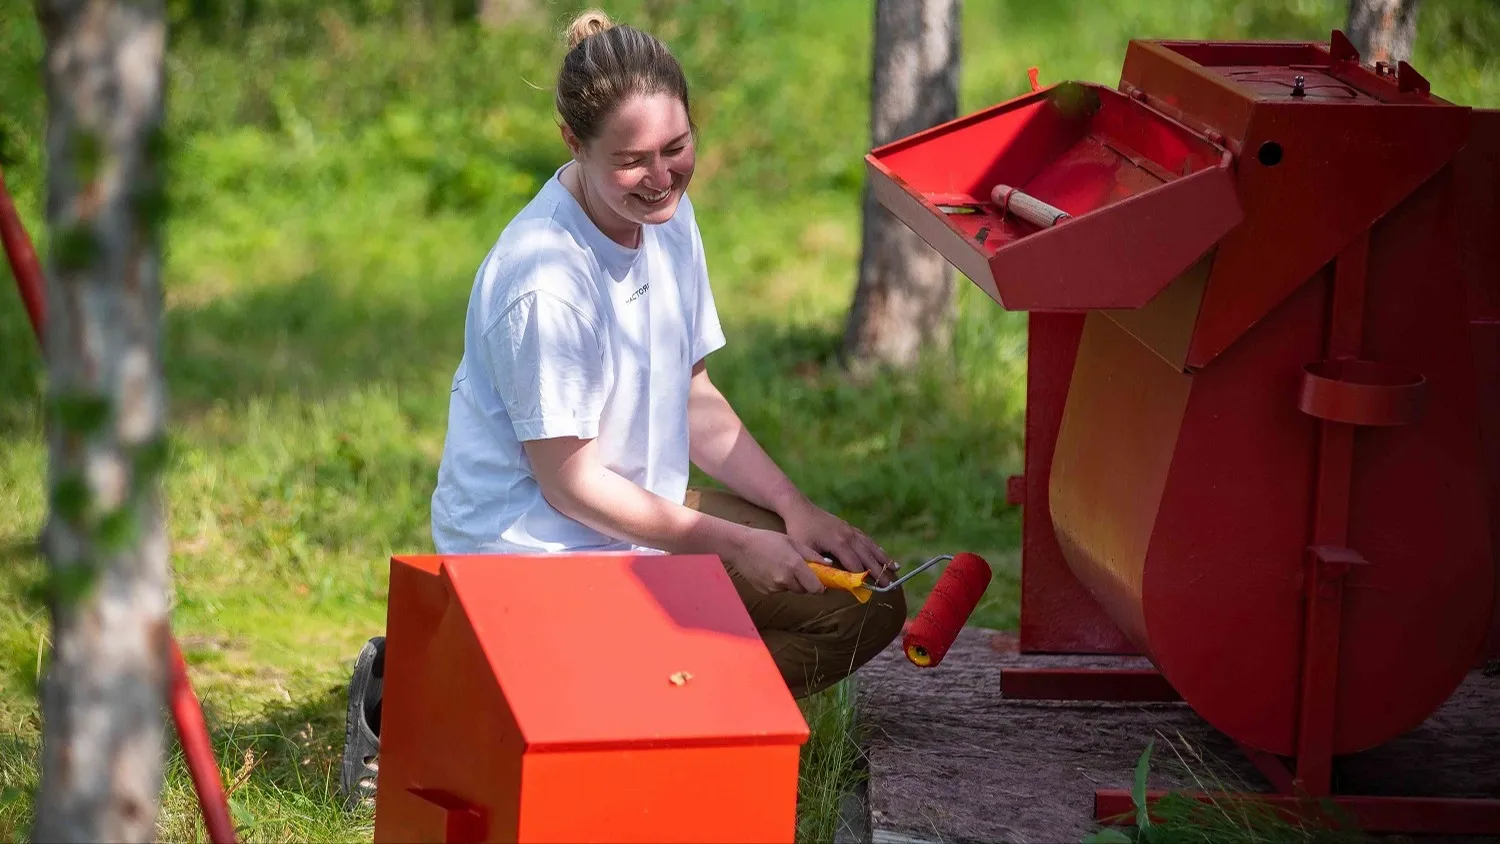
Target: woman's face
column 640, row 164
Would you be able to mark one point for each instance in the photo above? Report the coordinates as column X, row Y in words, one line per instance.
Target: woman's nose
column 661, row 175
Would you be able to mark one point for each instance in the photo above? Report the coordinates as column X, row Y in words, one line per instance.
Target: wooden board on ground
column 951, row 761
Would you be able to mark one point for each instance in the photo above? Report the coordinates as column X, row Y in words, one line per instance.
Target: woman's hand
column 810, row 525
column 774, row 562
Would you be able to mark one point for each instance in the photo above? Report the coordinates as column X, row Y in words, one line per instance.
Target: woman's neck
column 613, row 226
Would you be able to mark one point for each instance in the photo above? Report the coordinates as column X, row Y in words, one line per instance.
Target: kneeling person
column 583, row 397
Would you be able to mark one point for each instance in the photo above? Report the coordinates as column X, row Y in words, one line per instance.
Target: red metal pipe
column 192, row 732
column 199, row 751
column 23, row 261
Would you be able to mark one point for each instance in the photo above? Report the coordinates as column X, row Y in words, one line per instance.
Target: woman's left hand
column 830, row 535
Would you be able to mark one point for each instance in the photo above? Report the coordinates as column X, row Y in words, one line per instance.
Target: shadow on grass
column 280, row 770
column 308, row 339
column 917, row 460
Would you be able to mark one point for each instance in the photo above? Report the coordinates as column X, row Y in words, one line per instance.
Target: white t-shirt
column 568, row 333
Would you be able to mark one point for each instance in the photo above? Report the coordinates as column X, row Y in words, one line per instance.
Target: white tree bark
column 904, row 299
column 498, row 14
column 1383, row 30
column 103, row 698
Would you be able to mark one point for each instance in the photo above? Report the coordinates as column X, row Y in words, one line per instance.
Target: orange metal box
column 571, row 697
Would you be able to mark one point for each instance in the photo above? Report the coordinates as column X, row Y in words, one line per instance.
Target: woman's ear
column 574, row 145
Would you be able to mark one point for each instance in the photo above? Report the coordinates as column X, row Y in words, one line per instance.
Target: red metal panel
column 1165, row 324
column 439, row 705
column 1477, row 169
column 1112, row 684
column 1320, row 194
column 696, row 795
column 1172, row 82
column 600, row 691
column 1107, row 480
column 1219, row 576
column 1343, row 157
column 1057, row 614
column 1147, row 197
column 1138, row 246
column 1477, row 177
column 1416, row 618
column 1486, row 334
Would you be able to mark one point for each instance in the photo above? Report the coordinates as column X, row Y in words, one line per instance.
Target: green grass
column 336, row 176
column 1217, row 810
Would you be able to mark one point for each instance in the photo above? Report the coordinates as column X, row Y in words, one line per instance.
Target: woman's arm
column 580, row 487
column 723, row 447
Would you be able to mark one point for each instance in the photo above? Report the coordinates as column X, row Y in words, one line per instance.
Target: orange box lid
column 602, row 650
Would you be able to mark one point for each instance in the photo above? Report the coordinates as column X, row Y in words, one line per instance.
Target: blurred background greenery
column 338, row 170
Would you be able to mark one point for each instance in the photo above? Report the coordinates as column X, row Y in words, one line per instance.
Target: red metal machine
column 1264, row 287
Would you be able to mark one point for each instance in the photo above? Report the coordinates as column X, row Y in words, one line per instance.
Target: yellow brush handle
column 852, row 582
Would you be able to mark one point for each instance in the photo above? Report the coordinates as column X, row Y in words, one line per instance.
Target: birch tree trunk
column 904, row 299
column 1383, row 30
column 104, row 694
column 498, row 14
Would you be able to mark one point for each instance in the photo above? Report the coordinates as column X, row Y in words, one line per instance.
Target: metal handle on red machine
column 1027, row 207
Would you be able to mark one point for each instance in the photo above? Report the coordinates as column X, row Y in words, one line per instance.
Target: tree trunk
column 904, row 300
column 498, row 14
column 104, row 693
column 1383, row 30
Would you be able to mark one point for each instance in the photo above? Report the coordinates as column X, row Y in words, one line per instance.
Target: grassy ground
column 337, row 175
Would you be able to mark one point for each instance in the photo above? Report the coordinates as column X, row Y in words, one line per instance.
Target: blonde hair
column 608, row 63
column 589, row 23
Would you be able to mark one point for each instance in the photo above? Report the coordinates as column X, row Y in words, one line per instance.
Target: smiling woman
column 583, row 397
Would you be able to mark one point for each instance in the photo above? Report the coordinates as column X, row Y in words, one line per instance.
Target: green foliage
column 1218, row 812
column 78, row 247
column 72, row 498
column 334, row 173
column 80, row 414
column 830, row 765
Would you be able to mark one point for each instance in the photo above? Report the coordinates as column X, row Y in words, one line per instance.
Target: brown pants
column 815, row 640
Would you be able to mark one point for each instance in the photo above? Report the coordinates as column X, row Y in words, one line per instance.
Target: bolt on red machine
column 1264, row 287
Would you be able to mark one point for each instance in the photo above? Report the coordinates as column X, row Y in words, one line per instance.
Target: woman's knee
column 883, row 619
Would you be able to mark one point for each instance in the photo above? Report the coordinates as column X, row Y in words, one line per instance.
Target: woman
column 583, row 394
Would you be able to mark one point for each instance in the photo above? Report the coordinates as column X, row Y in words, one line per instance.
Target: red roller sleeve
column 945, row 611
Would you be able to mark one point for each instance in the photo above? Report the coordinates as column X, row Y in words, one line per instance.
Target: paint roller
column 953, row 598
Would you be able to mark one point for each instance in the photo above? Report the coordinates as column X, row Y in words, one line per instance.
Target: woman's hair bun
column 589, row 23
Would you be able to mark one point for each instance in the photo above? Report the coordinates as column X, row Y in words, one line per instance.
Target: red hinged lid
column 595, row 651
column 1147, row 197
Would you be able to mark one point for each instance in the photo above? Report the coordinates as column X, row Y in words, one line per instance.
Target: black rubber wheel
column 361, row 765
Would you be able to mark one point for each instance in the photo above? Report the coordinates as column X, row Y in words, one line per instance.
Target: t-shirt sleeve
column 708, row 333
column 547, row 361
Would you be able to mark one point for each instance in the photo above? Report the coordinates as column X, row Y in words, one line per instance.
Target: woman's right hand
column 773, row 562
